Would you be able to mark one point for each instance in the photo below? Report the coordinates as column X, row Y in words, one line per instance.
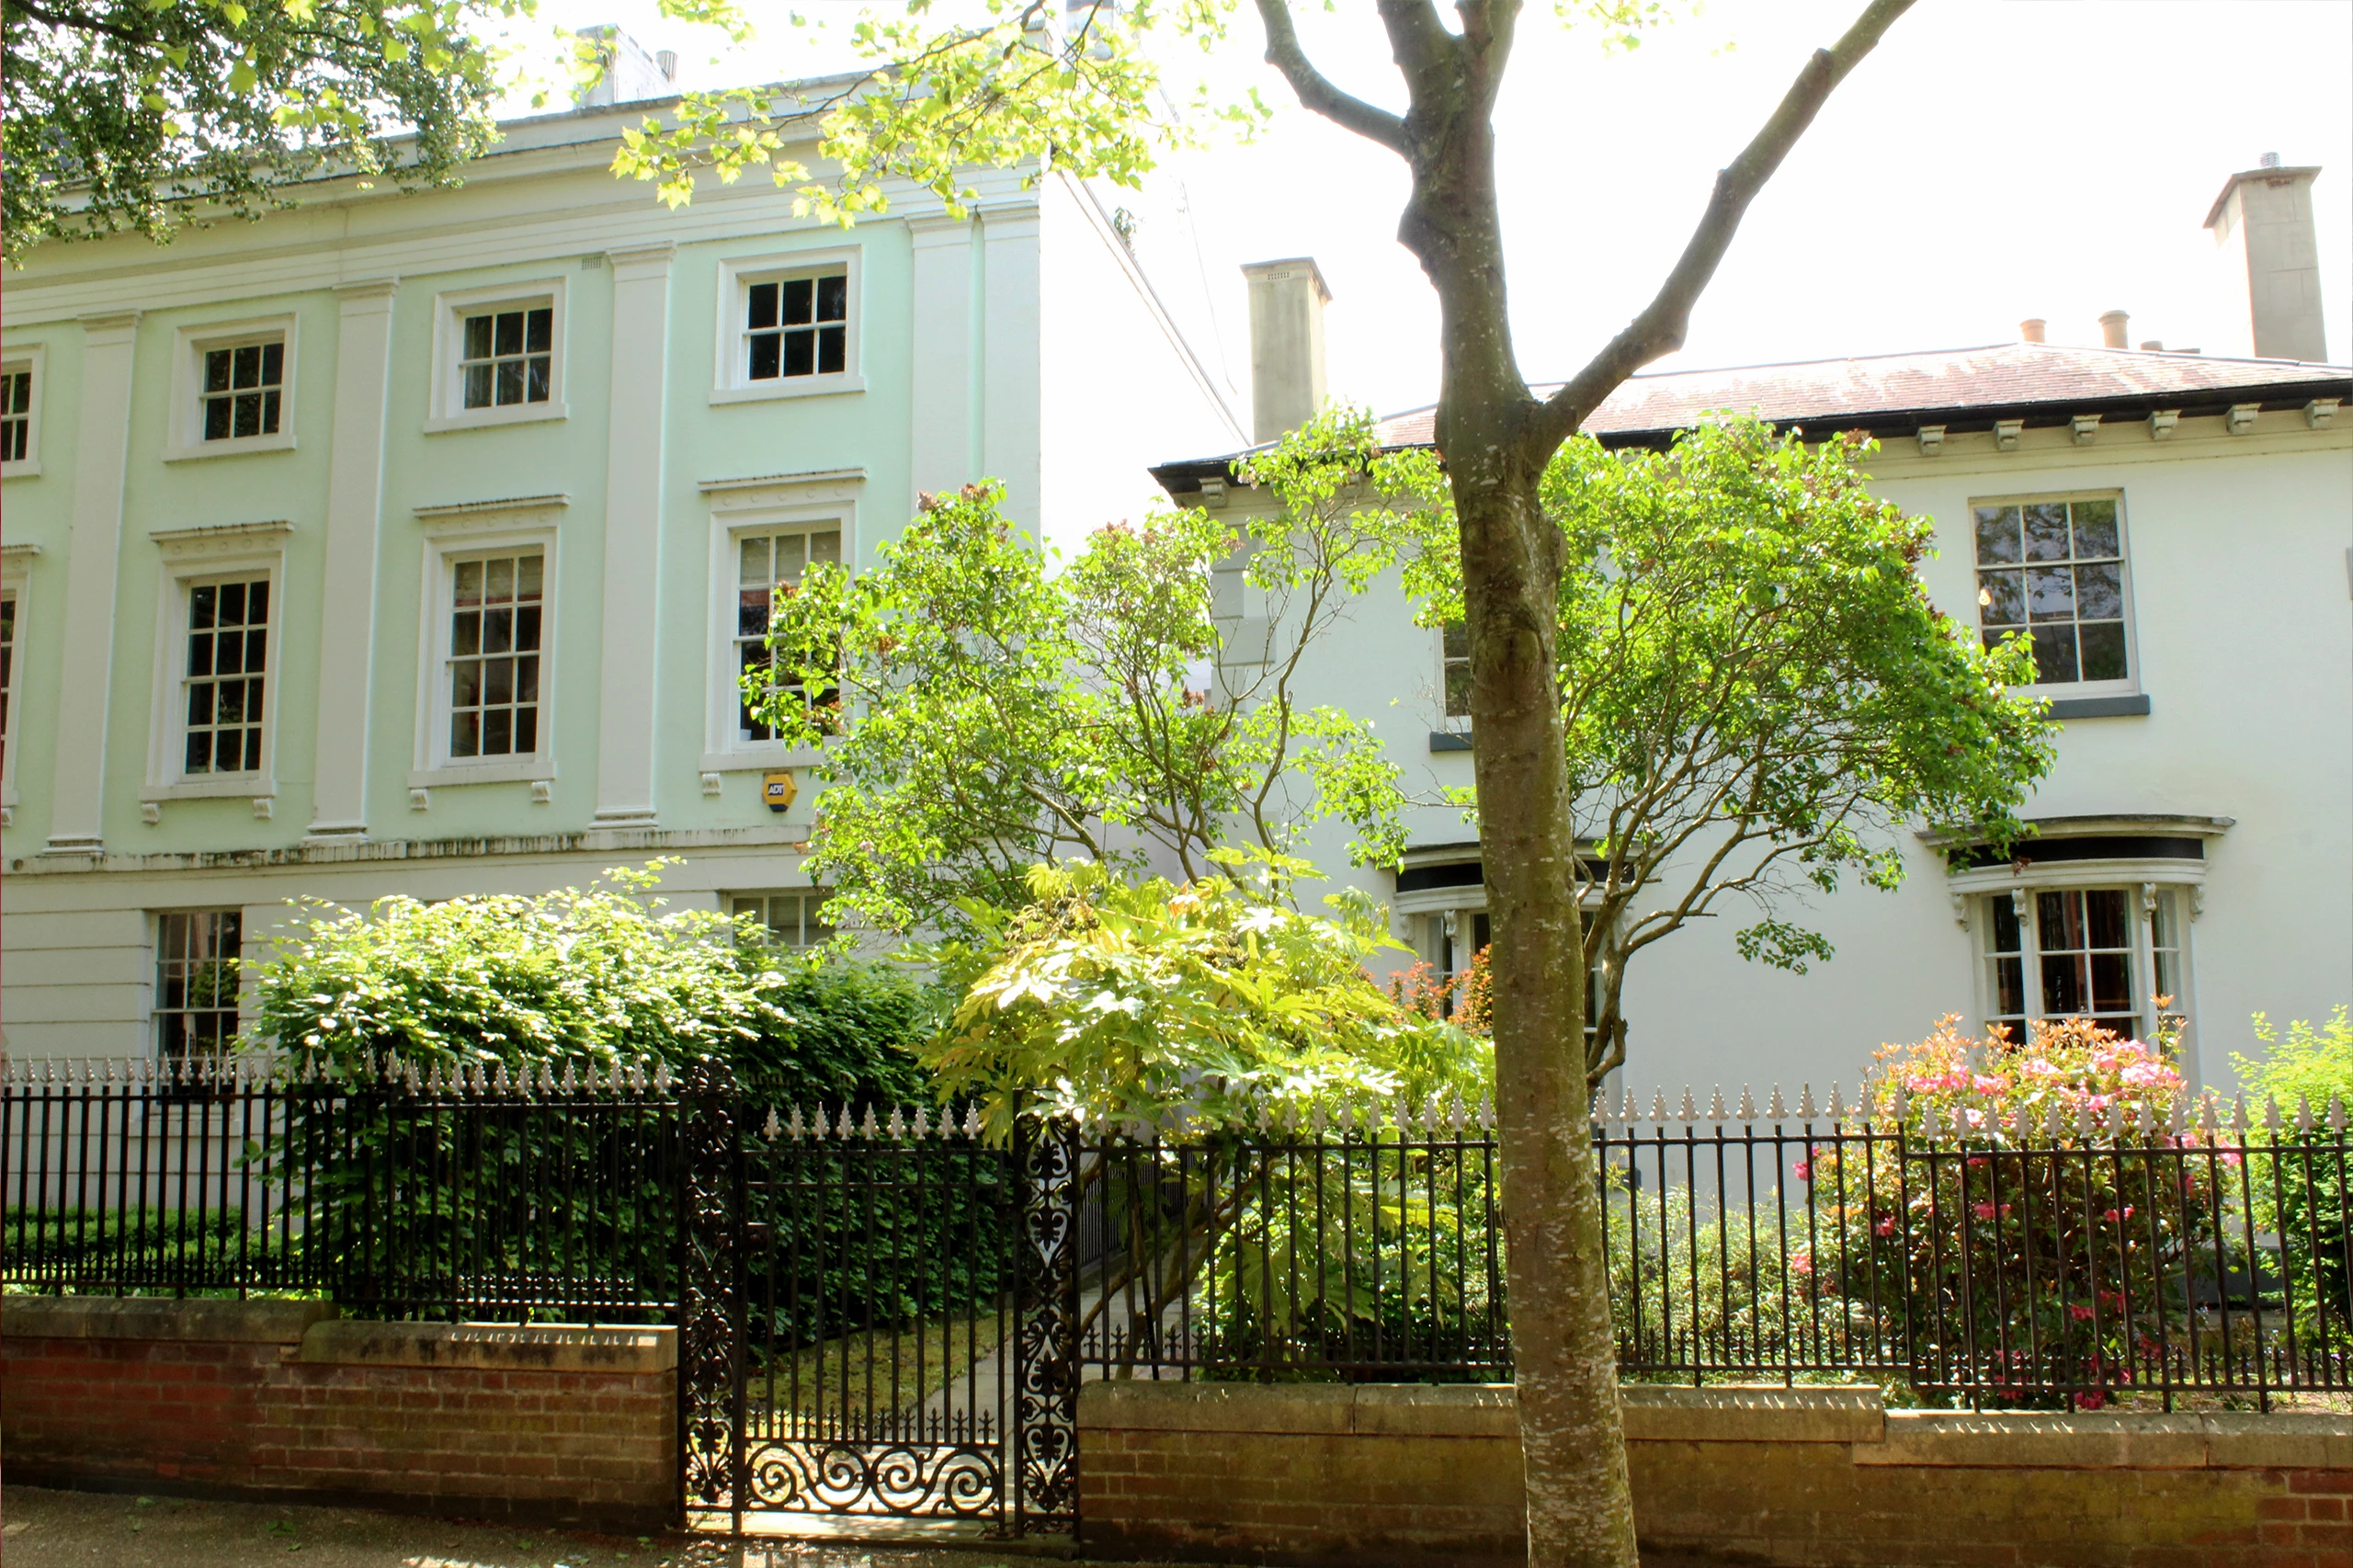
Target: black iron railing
column 2207, row 1252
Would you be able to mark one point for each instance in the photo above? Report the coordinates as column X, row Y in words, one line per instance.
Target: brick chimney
column 2030, row 330
column 2270, row 261
column 1287, row 301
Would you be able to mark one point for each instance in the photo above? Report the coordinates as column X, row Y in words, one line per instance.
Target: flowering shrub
column 1465, row 999
column 2037, row 1211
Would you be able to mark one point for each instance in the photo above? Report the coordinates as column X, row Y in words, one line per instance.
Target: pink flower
column 2092, row 1400
column 2141, row 1075
column 1886, row 1226
column 2081, row 1314
column 1988, row 1083
column 1983, row 1211
column 1805, row 1170
column 1802, row 1261
column 2112, row 1217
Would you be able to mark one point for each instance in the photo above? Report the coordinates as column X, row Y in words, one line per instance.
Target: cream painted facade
column 1024, row 344
column 2239, row 559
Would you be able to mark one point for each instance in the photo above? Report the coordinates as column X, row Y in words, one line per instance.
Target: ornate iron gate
column 879, row 1316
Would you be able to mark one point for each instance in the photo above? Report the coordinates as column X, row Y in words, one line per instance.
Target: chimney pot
column 2111, row 329
column 2030, row 330
column 2154, row 345
column 1287, row 301
column 2268, row 161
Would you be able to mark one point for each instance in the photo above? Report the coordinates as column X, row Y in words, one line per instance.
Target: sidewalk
column 90, row 1530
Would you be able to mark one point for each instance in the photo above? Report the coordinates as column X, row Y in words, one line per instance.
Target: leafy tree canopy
column 1157, row 1001
column 995, row 712
column 1758, row 697
column 584, row 978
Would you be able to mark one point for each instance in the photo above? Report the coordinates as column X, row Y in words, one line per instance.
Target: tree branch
column 1659, row 329
column 1317, row 91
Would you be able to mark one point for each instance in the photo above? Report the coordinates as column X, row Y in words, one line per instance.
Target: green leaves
column 144, row 117
column 1106, row 999
column 995, row 712
column 1757, row 694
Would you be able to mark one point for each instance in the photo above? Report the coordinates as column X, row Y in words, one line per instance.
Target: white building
column 2197, row 832
column 402, row 543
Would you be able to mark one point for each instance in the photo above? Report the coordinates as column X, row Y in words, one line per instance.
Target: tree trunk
column 1580, row 1508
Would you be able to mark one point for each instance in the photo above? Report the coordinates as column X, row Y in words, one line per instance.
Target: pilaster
column 943, row 405
column 634, row 443
column 347, row 586
column 93, row 557
column 1012, row 397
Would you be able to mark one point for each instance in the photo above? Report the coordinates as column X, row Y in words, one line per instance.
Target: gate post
column 1044, row 1479
column 710, row 1298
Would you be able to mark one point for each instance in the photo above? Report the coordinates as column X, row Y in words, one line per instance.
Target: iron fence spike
column 2336, row 1113
column 2238, row 1114
column 1487, row 1114
column 796, row 1129
column 2272, row 1113
column 1716, row 1107
column 1778, row 1108
column 845, row 1128
column 2304, row 1114
column 773, row 1127
column 1931, row 1123
column 2116, row 1121
column 972, row 1119
column 1658, row 1107
column 1837, row 1109
column 922, row 1123
column 1747, row 1103
column 1690, row 1110
column 2207, row 1117
column 898, row 1126
column 2083, row 1119
column 1805, row 1102
column 2177, row 1113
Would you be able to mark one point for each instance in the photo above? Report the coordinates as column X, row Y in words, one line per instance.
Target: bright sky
column 1992, row 160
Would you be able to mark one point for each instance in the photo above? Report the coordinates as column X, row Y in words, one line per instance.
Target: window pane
column 498, row 681
column 832, row 296
column 245, row 366
column 498, row 580
column 527, row 680
column 2095, row 535
column 1997, row 535
column 2111, row 983
column 798, row 293
column 753, row 562
column 2055, row 654
column 202, row 602
column 245, row 415
column 252, row 736
column 763, row 306
column 2059, row 920
column 510, row 382
column 498, row 630
column 799, row 353
column 510, row 332
column 465, row 734
column 2062, row 985
column 526, row 628
column 478, row 337
column 790, row 550
column 465, row 633
column 539, row 330
column 527, row 570
column 465, row 683
column 216, row 420
column 2006, row 924
column 479, row 379
column 269, row 413
column 2009, row 988
column 2001, row 597
column 200, row 753
column 497, row 738
column 527, row 731
column 2050, row 594
column 535, row 380
column 2099, row 592
column 2103, row 651
column 751, row 612
column 2105, row 918
column 833, row 349
column 216, row 370
column 767, row 358
column 825, row 547
column 257, row 603
column 199, row 654
column 233, row 604
column 2046, row 530
column 273, row 364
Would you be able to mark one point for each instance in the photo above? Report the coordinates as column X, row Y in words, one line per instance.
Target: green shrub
column 2305, row 1200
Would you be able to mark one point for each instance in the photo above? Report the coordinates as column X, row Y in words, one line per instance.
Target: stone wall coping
column 1731, row 1413
column 2115, row 1440
column 161, row 1317
column 619, row 1350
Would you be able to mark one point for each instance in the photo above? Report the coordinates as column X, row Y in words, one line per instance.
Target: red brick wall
column 274, row 1399
column 1795, row 1479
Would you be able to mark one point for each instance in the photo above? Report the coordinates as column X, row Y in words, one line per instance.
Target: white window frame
column 189, row 345
column 813, row 899
column 2130, row 684
column 731, row 358
column 446, row 404
column 474, row 531
column 15, row 582
column 777, row 504
column 2144, row 880
column 154, row 994
column 33, row 360
column 1459, row 723
column 191, row 557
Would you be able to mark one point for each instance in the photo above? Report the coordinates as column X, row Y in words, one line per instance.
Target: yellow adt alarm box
column 778, row 790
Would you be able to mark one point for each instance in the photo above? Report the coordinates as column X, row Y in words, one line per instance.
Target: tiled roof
column 2005, row 376
column 1962, row 389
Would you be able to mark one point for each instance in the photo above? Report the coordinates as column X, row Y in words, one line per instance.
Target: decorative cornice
column 18, row 551
column 367, row 292
column 219, row 538
column 513, row 511
column 773, row 481
column 2166, row 825
column 755, row 490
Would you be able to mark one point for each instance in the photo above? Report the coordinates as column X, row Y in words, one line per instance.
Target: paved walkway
column 89, row 1529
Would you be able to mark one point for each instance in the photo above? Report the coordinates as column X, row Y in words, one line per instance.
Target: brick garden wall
column 281, row 1400
column 1792, row 1478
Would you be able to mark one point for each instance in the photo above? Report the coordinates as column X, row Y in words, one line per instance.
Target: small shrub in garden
column 2307, row 1199
column 2030, row 1252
